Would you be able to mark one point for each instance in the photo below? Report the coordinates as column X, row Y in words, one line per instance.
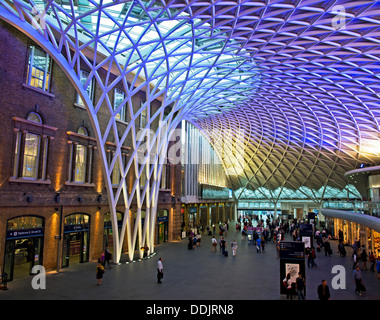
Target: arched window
column 31, row 148
column 80, row 159
column 81, row 147
column 34, row 117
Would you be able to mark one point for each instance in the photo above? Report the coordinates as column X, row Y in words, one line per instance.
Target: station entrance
column 23, row 246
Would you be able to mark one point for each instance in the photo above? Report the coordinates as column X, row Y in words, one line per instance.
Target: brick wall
column 58, row 110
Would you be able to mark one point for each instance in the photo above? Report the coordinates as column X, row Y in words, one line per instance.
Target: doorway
column 76, row 240
column 75, row 248
column 23, row 246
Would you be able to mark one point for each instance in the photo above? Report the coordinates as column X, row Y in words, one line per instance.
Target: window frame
column 88, row 143
column 44, row 134
column 46, row 81
column 122, row 111
column 90, row 89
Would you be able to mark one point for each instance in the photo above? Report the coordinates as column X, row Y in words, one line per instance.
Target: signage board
column 292, row 250
column 25, row 233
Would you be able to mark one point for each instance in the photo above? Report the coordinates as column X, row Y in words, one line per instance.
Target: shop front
column 23, row 246
column 76, row 239
column 203, row 215
column 163, row 226
column 192, row 218
column 352, row 232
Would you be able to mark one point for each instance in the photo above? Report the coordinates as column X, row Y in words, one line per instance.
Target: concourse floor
column 194, row 275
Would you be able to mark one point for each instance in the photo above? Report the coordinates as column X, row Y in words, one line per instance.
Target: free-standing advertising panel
column 292, row 261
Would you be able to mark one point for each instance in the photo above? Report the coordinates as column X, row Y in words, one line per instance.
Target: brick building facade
column 39, row 192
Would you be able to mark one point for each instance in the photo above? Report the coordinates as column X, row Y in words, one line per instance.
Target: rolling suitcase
column 226, row 253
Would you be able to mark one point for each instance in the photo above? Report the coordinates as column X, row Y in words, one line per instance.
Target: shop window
column 81, row 147
column 119, row 105
column 25, row 222
column 32, row 140
column 89, row 89
column 39, row 69
column 77, row 218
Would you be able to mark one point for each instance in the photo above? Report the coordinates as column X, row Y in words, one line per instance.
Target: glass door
column 37, row 252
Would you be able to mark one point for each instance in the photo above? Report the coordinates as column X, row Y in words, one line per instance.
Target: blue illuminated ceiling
column 316, row 112
column 294, row 85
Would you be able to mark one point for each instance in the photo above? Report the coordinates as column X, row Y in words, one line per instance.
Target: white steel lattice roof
column 287, row 91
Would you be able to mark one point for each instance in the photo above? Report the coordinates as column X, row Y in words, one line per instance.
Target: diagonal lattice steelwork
column 316, row 113
column 170, row 53
column 287, row 91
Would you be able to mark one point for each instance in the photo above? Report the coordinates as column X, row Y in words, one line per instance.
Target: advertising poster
column 306, row 241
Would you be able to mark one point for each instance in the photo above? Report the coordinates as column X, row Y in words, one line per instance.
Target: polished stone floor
column 193, row 275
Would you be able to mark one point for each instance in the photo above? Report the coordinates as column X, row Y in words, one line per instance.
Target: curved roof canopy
column 287, row 91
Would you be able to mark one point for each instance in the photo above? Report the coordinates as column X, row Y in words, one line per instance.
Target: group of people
column 359, row 257
column 222, row 246
column 194, row 240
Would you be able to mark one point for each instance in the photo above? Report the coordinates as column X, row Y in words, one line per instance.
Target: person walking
column 234, row 248
column 160, row 268
column 311, row 258
column 341, row 249
column 223, row 246
column 99, row 272
column 323, row 291
column 327, row 247
column 357, row 277
column 355, row 259
column 107, row 258
column 300, row 286
column 214, row 243
column 289, row 289
column 220, row 244
column 258, row 245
